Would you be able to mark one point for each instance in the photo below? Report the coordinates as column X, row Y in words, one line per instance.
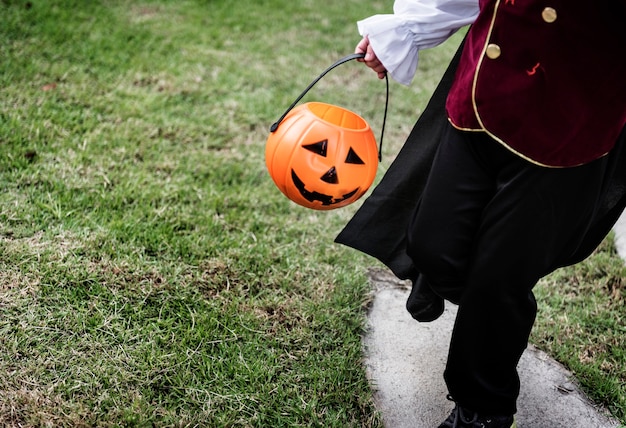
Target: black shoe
column 463, row 418
column 423, row 304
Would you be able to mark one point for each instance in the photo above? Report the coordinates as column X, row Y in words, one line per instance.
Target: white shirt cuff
column 397, row 39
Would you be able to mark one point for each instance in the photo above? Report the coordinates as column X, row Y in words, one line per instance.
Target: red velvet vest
column 546, row 78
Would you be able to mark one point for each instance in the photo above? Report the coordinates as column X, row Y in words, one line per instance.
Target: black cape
column 379, row 226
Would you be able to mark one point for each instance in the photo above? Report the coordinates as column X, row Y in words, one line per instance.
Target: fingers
column 362, row 47
column 370, row 59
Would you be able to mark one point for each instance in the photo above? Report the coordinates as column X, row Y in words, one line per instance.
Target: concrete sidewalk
column 620, row 236
column 405, row 362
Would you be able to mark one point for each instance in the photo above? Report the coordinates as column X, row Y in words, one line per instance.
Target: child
column 528, row 175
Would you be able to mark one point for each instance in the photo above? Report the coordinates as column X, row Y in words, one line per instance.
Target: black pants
column 489, row 225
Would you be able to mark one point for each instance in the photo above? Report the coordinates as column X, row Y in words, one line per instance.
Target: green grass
column 150, row 271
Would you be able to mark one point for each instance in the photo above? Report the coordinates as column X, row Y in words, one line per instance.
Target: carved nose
column 331, row 176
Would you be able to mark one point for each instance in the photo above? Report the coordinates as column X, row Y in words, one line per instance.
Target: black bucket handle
column 345, row 59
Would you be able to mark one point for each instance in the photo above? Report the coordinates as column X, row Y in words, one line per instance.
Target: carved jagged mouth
column 316, row 196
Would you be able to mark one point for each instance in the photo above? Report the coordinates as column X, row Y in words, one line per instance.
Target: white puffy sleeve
column 414, row 25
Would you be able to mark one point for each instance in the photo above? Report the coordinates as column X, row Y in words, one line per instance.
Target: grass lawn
column 151, row 274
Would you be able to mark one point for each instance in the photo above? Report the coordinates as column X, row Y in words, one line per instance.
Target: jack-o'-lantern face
column 324, row 157
column 330, row 177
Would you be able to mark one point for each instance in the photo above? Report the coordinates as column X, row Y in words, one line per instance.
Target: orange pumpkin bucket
column 322, row 156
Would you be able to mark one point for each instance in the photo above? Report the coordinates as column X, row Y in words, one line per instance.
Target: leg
column 440, row 236
column 489, row 226
column 537, row 216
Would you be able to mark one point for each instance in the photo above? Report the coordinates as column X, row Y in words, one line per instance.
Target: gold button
column 549, row 15
column 493, row 51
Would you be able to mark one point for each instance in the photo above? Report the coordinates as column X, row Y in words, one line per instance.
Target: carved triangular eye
column 331, row 176
column 319, row 148
column 354, row 158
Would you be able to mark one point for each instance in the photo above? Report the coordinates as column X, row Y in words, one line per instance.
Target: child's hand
column 370, row 59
